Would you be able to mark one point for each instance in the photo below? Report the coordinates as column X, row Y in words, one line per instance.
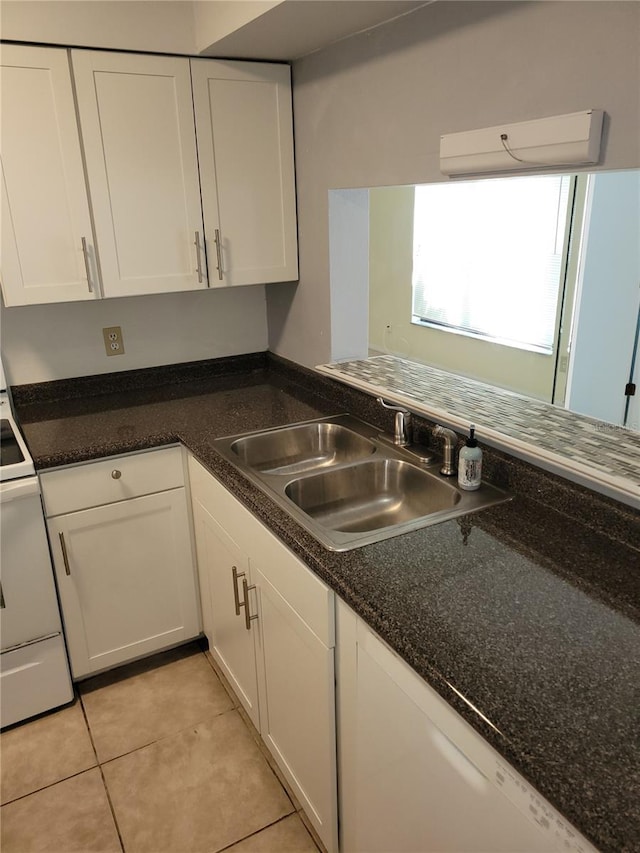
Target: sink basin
column 375, row 494
column 292, row 450
column 345, row 485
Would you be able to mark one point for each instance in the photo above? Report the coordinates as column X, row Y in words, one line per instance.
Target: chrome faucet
column 450, row 441
column 403, row 430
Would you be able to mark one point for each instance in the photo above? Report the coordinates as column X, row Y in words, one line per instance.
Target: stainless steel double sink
column 346, row 485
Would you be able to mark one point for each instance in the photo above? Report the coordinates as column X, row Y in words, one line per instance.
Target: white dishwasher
column 34, row 673
column 416, row 778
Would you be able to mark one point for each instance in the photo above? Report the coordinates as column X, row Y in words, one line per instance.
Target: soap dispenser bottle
column 470, row 463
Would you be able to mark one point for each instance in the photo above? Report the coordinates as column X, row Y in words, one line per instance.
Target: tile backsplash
column 567, row 442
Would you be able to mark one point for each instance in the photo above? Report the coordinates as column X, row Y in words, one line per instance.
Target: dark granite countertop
column 528, row 612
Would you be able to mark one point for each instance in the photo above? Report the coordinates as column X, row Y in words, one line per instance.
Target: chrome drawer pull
column 85, row 254
column 216, row 240
column 196, row 243
column 116, row 474
column 245, row 604
column 236, row 595
column 65, row 558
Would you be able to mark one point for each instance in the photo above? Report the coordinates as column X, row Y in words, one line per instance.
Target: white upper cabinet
column 136, row 121
column 47, row 244
column 245, row 147
column 105, row 192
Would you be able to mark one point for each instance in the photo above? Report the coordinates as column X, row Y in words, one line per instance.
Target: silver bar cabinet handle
column 196, row 243
column 245, row 590
column 236, row 597
column 216, row 240
column 65, row 557
column 87, row 269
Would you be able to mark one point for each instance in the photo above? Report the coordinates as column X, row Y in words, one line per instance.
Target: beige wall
column 390, row 309
column 43, row 342
column 165, row 26
column 369, row 111
column 58, row 341
column 390, row 272
column 214, row 21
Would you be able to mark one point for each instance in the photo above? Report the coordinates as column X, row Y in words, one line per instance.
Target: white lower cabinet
column 297, row 700
column 222, row 568
column 415, row 777
column 124, row 566
column 270, row 625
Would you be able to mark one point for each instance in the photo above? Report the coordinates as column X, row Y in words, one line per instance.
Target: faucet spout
column 403, row 430
column 450, row 440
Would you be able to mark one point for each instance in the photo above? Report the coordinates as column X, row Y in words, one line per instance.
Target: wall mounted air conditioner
column 566, row 140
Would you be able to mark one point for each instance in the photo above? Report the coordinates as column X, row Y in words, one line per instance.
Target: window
column 488, row 258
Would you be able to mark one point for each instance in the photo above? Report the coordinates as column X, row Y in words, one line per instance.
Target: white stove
column 34, row 673
column 15, row 461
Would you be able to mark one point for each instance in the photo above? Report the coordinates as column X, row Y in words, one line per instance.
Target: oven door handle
column 12, row 490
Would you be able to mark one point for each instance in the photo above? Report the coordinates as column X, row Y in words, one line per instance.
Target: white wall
column 608, row 299
column 349, row 239
column 42, row 342
column 369, row 111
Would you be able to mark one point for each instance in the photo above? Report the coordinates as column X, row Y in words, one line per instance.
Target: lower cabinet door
column 223, row 568
column 296, row 678
column 126, row 579
column 278, row 653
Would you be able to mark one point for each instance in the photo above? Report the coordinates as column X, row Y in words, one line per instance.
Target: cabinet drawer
column 117, row 478
column 33, row 679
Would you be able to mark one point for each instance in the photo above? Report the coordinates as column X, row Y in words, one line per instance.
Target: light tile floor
column 156, row 757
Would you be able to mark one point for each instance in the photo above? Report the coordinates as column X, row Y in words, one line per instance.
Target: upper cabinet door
column 47, row 242
column 245, row 147
column 136, row 121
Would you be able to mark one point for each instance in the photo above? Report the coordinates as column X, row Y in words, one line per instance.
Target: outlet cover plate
column 113, row 343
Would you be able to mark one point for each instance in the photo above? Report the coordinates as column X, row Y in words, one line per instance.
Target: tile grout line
column 221, row 677
column 111, row 808
column 50, row 785
column 258, row 831
column 298, row 808
column 232, row 699
column 251, row 730
column 52, row 712
column 164, row 737
column 99, row 766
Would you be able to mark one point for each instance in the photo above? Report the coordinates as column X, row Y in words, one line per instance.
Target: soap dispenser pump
column 470, row 463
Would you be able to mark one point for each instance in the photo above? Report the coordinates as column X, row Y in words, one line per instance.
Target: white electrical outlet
column 113, row 343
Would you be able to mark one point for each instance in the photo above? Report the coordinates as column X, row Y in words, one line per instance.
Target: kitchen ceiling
column 291, row 29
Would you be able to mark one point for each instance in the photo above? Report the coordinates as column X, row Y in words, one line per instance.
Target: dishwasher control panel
column 529, row 801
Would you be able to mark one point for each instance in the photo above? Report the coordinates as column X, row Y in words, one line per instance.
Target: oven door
column 34, row 673
column 15, row 461
column 28, row 596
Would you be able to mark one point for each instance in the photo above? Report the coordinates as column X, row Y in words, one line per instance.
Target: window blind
column 488, row 257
